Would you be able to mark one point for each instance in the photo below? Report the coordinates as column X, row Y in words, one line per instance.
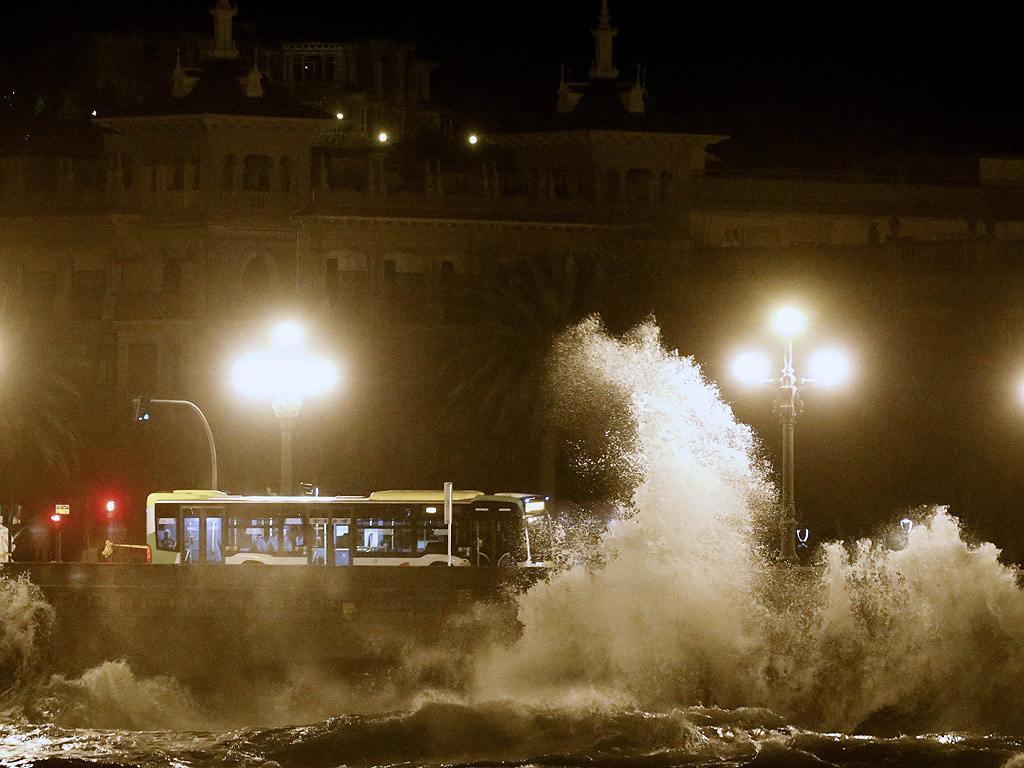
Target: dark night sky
column 874, row 77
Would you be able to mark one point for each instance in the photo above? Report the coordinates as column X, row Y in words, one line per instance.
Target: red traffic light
column 111, row 506
column 55, row 517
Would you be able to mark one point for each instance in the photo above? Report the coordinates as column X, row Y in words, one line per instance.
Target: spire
column 181, row 82
column 223, row 39
column 603, row 67
column 253, row 81
column 566, row 98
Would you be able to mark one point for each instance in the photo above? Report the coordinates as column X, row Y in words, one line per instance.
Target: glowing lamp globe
column 789, row 322
column 288, row 336
column 752, row 368
column 283, row 378
column 828, row 367
column 284, row 374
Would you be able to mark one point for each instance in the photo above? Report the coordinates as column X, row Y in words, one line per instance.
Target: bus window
column 213, row 540
column 167, row 533
column 431, row 538
column 342, row 541
column 294, row 537
column 191, row 552
column 318, row 531
column 385, row 536
column 247, row 534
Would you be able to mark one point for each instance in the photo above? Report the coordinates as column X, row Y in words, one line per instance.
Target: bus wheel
column 438, row 562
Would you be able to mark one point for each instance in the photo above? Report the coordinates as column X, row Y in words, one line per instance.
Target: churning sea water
column 672, row 640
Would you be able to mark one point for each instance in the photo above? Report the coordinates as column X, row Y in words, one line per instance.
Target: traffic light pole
column 141, row 414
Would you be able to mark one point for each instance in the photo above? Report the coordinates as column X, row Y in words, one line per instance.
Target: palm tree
column 501, row 376
column 40, row 404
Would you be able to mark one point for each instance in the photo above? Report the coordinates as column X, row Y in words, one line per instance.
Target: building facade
column 317, row 179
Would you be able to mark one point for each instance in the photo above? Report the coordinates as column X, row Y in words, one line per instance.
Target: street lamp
column 827, row 367
column 284, row 374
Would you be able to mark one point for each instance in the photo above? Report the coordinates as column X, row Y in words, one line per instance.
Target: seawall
column 187, row 620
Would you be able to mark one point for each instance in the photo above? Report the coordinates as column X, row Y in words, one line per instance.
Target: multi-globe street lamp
column 285, row 374
column 826, row 367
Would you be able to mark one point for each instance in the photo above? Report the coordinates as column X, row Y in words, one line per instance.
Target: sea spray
column 924, row 635
column 667, row 616
column 26, row 620
column 109, row 695
column 682, row 607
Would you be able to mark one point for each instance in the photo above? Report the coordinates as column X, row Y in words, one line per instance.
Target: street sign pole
column 448, row 517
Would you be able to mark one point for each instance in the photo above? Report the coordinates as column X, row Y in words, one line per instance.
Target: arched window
column 177, row 177
column 256, row 173
column 638, row 186
column 228, row 176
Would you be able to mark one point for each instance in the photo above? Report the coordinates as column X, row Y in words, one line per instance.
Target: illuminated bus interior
column 385, row 528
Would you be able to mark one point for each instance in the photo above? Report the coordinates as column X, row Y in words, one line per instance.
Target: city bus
column 384, row 528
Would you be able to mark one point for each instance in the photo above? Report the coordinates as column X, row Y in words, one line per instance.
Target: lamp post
column 285, row 374
column 827, row 367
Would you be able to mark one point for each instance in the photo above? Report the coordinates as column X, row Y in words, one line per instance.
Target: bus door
column 203, row 531
column 213, row 540
column 319, row 528
column 487, row 543
column 192, row 528
column 341, row 540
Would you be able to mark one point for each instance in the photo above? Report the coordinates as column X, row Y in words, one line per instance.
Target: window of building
column 286, row 174
column 141, row 366
column 256, row 173
column 142, row 276
column 172, row 365
column 88, row 286
column 332, row 281
column 177, row 180
column 228, row 173
column 612, row 186
column 638, row 186
column 666, row 189
column 40, row 286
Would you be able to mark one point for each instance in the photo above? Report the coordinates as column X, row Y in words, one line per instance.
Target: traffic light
column 56, row 518
column 111, row 506
column 141, row 408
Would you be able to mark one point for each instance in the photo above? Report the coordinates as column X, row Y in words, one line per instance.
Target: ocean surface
column 667, row 638
column 436, row 734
